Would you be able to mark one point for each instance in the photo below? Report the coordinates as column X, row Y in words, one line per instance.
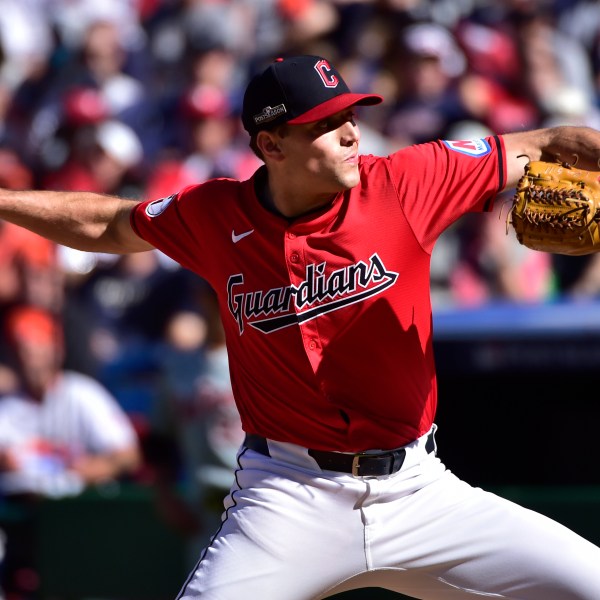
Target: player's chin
column 349, row 176
column 351, row 180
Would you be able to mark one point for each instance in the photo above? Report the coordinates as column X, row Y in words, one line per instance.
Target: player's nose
column 350, row 133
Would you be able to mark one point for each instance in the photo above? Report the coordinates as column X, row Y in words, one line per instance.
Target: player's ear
column 268, row 144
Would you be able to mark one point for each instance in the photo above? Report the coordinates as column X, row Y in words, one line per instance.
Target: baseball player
column 320, row 262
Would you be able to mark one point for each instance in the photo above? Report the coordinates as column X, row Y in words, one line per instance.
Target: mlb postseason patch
column 156, row 207
column 471, row 147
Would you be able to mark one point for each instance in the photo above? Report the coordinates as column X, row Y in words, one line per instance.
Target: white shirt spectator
column 77, row 416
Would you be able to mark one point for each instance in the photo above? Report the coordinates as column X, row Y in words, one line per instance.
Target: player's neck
column 280, row 200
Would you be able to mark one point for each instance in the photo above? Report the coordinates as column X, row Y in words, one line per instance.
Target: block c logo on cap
column 324, row 70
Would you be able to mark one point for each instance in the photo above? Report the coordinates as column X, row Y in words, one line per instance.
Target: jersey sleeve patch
column 476, row 148
column 157, row 207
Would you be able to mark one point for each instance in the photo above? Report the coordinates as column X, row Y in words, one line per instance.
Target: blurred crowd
column 140, row 98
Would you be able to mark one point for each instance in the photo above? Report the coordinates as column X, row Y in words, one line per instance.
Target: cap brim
column 335, row 105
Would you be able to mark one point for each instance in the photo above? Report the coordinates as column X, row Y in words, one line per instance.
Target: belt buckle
column 392, row 465
column 356, row 463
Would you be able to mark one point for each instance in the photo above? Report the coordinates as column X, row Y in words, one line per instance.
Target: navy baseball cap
column 296, row 90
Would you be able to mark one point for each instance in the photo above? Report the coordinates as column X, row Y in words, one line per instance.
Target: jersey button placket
column 295, row 252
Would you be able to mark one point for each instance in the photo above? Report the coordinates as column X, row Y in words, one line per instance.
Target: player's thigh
column 472, row 541
column 281, row 538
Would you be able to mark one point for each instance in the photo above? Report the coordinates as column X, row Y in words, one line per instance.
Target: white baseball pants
column 293, row 532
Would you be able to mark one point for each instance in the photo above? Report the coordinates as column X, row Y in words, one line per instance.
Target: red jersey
column 328, row 316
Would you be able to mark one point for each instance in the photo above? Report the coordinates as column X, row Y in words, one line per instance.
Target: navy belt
column 361, row 464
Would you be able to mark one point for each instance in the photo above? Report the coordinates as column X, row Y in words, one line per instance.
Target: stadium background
column 141, row 97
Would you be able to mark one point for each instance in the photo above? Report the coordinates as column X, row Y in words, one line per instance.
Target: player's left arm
column 571, row 144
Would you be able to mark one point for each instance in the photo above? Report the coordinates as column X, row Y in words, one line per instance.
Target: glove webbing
column 577, row 216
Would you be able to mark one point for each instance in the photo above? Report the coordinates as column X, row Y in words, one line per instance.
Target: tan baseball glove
column 556, row 208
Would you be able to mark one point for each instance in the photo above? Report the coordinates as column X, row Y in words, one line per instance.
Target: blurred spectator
column 428, row 103
column 103, row 64
column 60, row 431
column 25, row 39
column 496, row 106
column 212, row 438
column 103, row 61
column 213, row 75
column 226, row 24
column 305, row 21
column 495, row 88
column 492, row 266
column 169, row 465
column 14, row 173
column 213, row 141
column 29, row 270
column 58, row 131
column 197, row 412
column 570, row 106
column 203, row 138
column 11, row 131
column 554, row 62
column 491, row 51
column 74, row 433
column 102, row 159
column 102, row 156
column 579, row 20
column 116, row 318
column 73, row 18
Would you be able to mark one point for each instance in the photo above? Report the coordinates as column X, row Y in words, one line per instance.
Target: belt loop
column 430, row 444
column 356, row 465
column 257, row 443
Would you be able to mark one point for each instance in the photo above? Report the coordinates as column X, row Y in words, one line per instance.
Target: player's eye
column 335, row 121
column 324, row 125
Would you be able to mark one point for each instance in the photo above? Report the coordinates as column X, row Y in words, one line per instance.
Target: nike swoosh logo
column 236, row 238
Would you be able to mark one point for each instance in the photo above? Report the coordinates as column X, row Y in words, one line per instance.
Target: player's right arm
column 81, row 220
